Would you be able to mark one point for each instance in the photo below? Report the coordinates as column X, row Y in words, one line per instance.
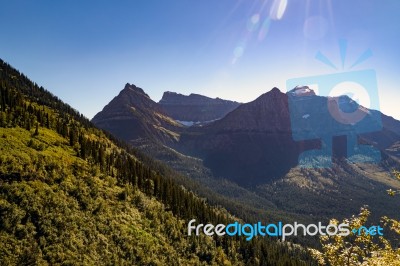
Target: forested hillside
column 71, row 194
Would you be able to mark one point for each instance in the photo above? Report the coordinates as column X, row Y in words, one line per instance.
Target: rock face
column 133, row 116
column 255, row 143
column 268, row 113
column 251, row 144
column 263, row 139
column 255, row 148
column 195, row 107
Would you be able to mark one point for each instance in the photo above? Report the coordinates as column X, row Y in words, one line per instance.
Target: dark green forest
column 71, row 194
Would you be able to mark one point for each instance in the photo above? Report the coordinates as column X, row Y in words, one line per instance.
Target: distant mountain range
column 72, row 191
column 195, row 107
column 251, row 146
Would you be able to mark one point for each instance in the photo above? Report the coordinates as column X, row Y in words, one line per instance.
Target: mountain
column 133, row 116
column 262, row 140
column 72, row 194
column 250, row 157
column 258, row 146
column 195, row 107
column 137, row 128
column 251, row 143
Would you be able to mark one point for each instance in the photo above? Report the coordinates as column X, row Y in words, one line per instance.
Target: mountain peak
column 268, row 113
column 302, row 91
column 275, row 90
column 130, row 97
column 134, row 116
column 129, row 88
column 273, row 93
column 195, row 107
column 271, row 96
column 168, row 95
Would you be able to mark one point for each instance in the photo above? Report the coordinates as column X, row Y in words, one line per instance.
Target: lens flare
column 264, row 29
column 252, row 23
column 278, row 9
column 238, row 52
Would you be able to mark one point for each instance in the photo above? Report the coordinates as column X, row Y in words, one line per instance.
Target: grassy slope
column 64, row 210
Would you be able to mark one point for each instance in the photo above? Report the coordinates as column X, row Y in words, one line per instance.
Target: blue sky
column 86, row 51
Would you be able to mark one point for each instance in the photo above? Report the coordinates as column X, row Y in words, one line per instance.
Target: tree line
column 24, row 104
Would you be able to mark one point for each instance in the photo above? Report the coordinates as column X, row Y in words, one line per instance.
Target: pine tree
column 36, row 129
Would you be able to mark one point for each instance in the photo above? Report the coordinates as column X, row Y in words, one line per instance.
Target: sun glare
column 278, row 9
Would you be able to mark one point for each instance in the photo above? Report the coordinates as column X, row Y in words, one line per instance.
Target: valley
column 247, row 161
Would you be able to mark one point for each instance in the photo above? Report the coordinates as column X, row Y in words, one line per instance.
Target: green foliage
column 55, row 211
column 360, row 249
column 392, row 192
column 71, row 194
column 353, row 249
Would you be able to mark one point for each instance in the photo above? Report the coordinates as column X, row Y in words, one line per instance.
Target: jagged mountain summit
column 250, row 143
column 195, row 107
column 133, row 116
column 257, row 146
column 263, row 140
